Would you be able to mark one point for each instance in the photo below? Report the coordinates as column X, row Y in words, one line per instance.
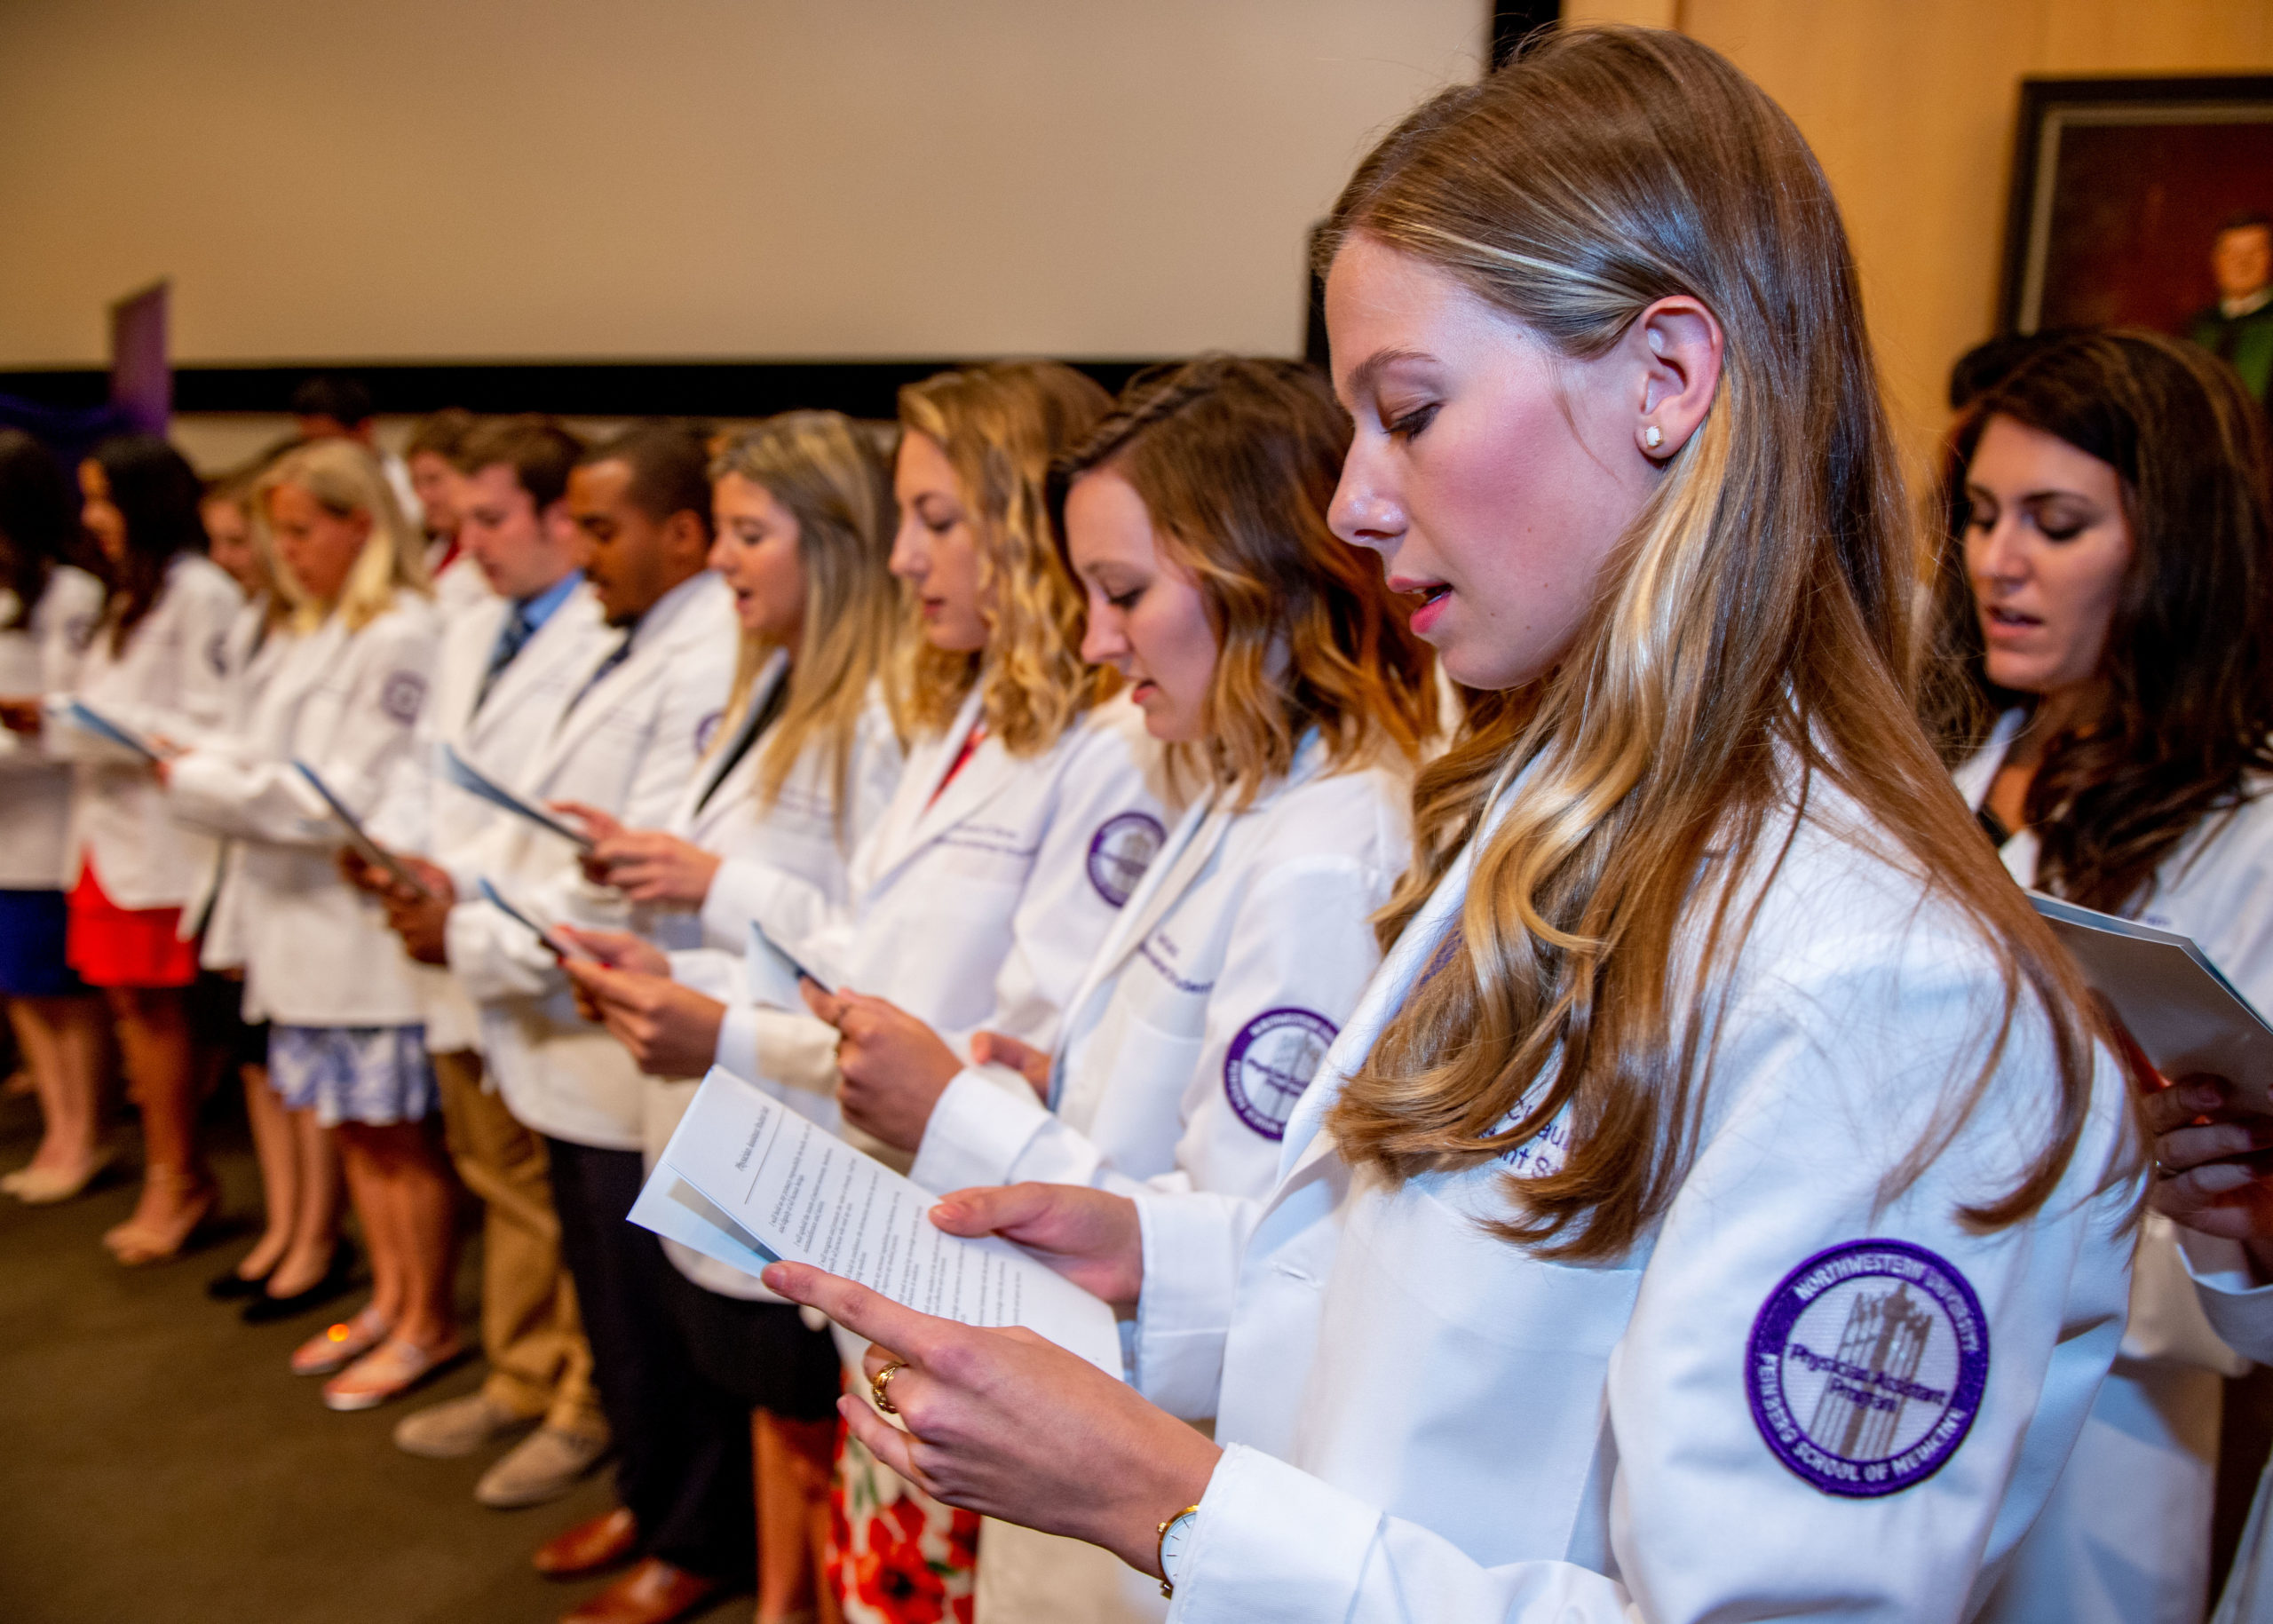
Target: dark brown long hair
column 2189, row 710
column 38, row 514
column 157, row 493
column 1236, row 459
column 1750, row 645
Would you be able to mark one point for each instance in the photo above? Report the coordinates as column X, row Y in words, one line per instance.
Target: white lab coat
column 460, row 587
column 797, row 838
column 1203, row 1018
column 254, row 650
column 39, row 659
column 977, row 905
column 2126, row 1537
column 628, row 746
column 1426, row 1423
column 170, row 680
column 2241, row 1310
column 317, row 951
column 426, row 815
column 1251, row 932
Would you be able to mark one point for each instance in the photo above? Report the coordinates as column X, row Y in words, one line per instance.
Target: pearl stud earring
column 1651, row 436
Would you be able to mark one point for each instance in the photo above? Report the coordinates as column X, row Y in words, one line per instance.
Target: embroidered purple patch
column 1119, row 853
column 706, row 730
column 1866, row 1366
column 402, row 695
column 1271, row 1062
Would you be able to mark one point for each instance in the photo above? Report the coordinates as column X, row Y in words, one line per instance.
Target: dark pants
column 683, row 1450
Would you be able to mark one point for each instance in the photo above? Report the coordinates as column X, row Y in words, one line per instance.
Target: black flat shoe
column 229, row 1286
column 337, row 1280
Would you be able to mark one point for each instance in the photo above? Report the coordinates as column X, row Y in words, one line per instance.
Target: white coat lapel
column 571, row 635
column 702, row 794
column 1406, row 965
column 944, row 801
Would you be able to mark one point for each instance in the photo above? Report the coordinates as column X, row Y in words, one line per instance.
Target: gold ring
column 881, row 1380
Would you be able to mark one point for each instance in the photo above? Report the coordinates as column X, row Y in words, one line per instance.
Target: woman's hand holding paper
column 649, row 866
column 670, row 1030
column 2211, row 1171
column 1006, row 1423
column 894, row 1067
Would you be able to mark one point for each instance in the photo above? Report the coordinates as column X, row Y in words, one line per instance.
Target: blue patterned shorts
column 375, row 1074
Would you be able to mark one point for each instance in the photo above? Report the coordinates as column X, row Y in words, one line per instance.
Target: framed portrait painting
column 2146, row 202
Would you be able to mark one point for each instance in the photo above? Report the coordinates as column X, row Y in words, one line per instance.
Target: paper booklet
column 556, row 944
column 2179, row 1007
column 474, row 781
column 360, row 837
column 88, row 719
column 747, row 1181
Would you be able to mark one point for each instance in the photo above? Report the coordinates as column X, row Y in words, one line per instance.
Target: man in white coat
column 510, row 663
column 627, row 744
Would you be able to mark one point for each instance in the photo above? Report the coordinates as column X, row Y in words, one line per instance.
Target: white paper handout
column 771, row 974
column 87, row 719
column 361, row 838
column 470, row 779
column 763, row 1183
column 2179, row 1007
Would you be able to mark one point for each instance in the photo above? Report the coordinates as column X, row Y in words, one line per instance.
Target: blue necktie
column 511, row 640
column 616, row 657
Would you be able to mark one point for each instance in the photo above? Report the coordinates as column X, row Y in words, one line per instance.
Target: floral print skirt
column 896, row 1555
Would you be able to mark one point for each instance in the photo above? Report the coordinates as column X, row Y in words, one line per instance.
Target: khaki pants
column 540, row 1364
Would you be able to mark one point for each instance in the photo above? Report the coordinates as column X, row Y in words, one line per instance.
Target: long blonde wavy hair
column 1751, row 636
column 828, row 472
column 1236, row 459
column 345, row 479
column 1000, row 425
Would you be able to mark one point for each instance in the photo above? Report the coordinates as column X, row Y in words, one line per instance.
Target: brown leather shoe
column 652, row 1593
column 588, row 1547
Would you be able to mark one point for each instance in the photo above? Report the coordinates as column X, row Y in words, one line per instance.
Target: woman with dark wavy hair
column 2106, row 700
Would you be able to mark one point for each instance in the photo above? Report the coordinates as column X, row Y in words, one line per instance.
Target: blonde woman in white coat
column 299, row 1164
column 800, row 771
column 1276, row 662
column 1028, row 808
column 158, row 666
column 48, row 610
column 2104, row 587
column 1717, row 1206
column 346, row 1007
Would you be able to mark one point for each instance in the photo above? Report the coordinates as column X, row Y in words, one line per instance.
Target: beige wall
column 1909, row 104
column 593, row 179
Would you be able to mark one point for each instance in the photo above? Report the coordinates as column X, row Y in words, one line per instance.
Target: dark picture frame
column 2119, row 185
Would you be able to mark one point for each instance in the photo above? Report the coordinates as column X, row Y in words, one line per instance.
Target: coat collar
column 652, row 640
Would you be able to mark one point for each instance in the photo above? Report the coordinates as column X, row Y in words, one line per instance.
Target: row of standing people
column 1459, row 1341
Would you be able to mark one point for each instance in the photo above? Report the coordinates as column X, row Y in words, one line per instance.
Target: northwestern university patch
column 1270, row 1062
column 1866, row 1366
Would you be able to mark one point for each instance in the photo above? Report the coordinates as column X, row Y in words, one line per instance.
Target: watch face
column 1172, row 1544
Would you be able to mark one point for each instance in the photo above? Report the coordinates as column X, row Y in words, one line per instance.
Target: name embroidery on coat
column 1270, row 1062
column 1866, row 1366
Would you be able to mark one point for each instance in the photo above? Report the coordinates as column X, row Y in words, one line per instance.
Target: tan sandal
column 139, row 1245
column 388, row 1371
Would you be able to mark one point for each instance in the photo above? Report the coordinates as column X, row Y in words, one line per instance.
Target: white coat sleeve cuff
column 1191, row 1257
column 2240, row 1310
column 711, row 973
column 794, row 1051
column 1272, row 1542
column 737, row 1048
column 493, row 958
column 977, row 1130
column 730, row 905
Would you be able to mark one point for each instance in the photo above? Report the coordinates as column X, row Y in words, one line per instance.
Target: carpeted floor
column 158, row 1464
